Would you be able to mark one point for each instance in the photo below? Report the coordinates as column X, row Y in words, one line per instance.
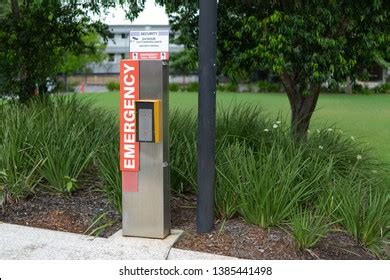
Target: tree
column 93, row 51
column 183, row 63
column 305, row 42
column 34, row 38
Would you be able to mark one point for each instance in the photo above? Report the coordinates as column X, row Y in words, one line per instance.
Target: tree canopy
column 36, row 37
column 306, row 43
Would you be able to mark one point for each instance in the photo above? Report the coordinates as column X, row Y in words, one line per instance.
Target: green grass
column 365, row 117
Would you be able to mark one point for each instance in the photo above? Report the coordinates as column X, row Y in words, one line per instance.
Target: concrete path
column 28, row 243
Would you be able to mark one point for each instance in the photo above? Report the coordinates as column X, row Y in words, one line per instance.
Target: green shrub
column 264, row 176
column 363, row 210
column 109, row 170
column 309, row 228
column 383, row 89
column 174, row 87
column 221, row 88
column 270, row 184
column 265, row 86
column 261, row 173
column 360, row 89
column 18, row 166
column 49, row 142
column 230, row 87
column 113, row 86
column 183, row 153
column 192, row 87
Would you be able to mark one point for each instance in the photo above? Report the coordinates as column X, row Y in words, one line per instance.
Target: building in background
column 118, row 48
column 100, row 74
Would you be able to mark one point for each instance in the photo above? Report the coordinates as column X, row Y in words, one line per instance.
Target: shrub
column 18, row 166
column 108, row 166
column 360, row 89
column 383, row 89
column 230, row 87
column 265, row 86
column 192, row 87
column 183, row 153
column 174, row 87
column 309, row 228
column 113, row 86
column 363, row 210
column 261, row 174
column 49, row 142
column 264, row 176
column 270, row 184
column 221, row 88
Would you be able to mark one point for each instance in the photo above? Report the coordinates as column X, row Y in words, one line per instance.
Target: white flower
column 329, row 129
column 318, row 131
column 374, row 171
column 320, row 147
column 266, row 130
column 359, row 157
column 352, row 138
column 278, row 122
column 275, row 125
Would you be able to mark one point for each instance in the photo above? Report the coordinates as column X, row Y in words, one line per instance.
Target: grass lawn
column 365, row 117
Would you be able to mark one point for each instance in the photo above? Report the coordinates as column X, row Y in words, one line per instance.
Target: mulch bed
column 237, row 238
column 75, row 213
column 234, row 238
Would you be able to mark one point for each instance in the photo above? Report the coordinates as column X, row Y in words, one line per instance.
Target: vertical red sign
column 129, row 148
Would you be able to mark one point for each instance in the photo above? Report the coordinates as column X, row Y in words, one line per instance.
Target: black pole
column 206, row 114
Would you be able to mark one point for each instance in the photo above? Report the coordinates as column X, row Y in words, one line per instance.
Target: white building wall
column 118, row 48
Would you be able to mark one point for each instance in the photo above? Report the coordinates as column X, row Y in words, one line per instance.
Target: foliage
column 173, row 87
column 262, row 175
column 35, row 37
column 363, row 210
column 18, row 167
column 107, row 159
column 48, row 143
column 305, row 42
column 383, row 89
column 192, row 87
column 264, row 86
column 230, row 87
column 269, row 180
column 183, row 63
column 308, row 228
column 113, row 86
column 92, row 50
column 99, row 225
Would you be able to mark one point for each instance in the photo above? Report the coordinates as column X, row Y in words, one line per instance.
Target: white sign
column 149, row 41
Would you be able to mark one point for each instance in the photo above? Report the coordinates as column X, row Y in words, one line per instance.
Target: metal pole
column 206, row 114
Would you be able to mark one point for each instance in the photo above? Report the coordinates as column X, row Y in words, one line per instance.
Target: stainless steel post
column 146, row 213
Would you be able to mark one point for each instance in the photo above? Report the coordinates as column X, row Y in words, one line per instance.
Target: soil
column 74, row 213
column 236, row 238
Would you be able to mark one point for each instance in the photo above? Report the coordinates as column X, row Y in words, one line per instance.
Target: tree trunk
column 348, row 88
column 15, row 9
column 303, row 101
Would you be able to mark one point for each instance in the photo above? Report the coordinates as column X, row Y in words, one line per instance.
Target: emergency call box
column 147, row 120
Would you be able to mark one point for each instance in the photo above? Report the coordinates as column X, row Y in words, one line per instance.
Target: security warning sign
column 149, row 45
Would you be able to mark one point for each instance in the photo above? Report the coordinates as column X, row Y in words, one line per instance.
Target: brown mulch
column 74, row 213
column 235, row 237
